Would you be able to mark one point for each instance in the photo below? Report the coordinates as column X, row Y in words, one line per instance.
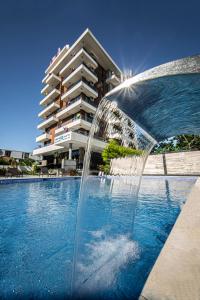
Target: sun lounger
column 13, row 172
column 44, row 171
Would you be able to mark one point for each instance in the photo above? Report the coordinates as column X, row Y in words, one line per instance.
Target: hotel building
column 74, row 83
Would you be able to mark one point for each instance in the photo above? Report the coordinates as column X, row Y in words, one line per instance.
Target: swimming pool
column 37, row 222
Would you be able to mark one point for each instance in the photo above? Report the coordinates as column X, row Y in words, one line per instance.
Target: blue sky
column 137, row 34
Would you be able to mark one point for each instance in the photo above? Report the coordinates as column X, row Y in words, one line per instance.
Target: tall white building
column 74, row 83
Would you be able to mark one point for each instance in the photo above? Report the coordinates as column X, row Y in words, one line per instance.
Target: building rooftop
column 92, row 45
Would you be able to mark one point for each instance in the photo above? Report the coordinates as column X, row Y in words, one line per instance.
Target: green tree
column 4, row 161
column 188, row 142
column 114, row 150
column 178, row 143
column 13, row 162
column 26, row 162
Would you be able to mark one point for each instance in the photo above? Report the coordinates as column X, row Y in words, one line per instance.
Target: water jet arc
column 165, row 100
column 159, row 103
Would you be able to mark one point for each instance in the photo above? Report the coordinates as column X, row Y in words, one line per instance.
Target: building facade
column 18, row 154
column 74, row 83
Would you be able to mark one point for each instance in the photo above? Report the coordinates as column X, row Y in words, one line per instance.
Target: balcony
column 113, row 79
column 50, row 97
column 48, row 122
column 45, row 78
column 79, row 87
column 77, row 74
column 47, row 150
column 81, row 57
column 74, row 124
column 43, row 138
column 115, row 135
column 46, row 90
column 57, row 59
column 78, row 140
column 52, row 81
column 75, row 106
column 48, row 110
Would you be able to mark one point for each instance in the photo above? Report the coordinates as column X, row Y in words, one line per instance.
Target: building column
column 63, row 163
column 81, row 155
column 70, row 150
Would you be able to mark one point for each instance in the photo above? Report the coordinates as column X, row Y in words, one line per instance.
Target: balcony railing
column 75, row 118
column 78, row 58
column 76, row 99
column 84, row 98
column 90, row 69
column 112, row 78
column 83, row 80
column 49, row 121
column 49, row 110
column 50, row 97
column 43, row 137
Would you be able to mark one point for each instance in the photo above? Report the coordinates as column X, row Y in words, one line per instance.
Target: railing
column 91, row 55
column 43, row 133
column 110, row 74
column 82, row 97
column 84, row 64
column 83, row 80
column 85, row 118
column 76, row 99
column 75, row 118
column 52, row 101
column 52, row 113
column 90, row 69
column 41, row 146
column 82, row 132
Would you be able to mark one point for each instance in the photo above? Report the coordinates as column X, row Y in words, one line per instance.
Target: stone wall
column 154, row 165
column 182, row 163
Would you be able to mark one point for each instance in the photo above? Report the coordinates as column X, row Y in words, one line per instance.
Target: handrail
column 74, row 100
column 83, row 80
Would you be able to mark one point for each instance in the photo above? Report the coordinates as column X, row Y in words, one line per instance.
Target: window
column 7, row 153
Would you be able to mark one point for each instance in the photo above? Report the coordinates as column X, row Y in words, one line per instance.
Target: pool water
column 37, row 225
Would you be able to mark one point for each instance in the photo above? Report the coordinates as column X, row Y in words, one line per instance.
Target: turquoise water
column 37, row 223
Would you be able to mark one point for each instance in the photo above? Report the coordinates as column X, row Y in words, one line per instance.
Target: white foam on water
column 106, row 258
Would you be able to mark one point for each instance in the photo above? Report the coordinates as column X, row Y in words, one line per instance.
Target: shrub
column 13, row 162
column 114, row 150
column 26, row 162
column 35, row 169
column 73, row 172
column 3, row 161
column 2, row 172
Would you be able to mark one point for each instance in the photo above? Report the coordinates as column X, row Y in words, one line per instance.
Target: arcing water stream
column 105, row 247
column 165, row 101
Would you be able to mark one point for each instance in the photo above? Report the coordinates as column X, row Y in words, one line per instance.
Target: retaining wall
column 182, row 163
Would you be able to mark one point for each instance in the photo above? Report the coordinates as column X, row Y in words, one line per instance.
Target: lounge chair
column 64, row 172
column 44, row 171
column 13, row 172
column 53, row 172
column 69, row 172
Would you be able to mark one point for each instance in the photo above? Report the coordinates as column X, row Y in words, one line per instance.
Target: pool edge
column 176, row 272
column 36, row 179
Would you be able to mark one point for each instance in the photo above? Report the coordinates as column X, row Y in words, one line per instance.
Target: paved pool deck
column 176, row 273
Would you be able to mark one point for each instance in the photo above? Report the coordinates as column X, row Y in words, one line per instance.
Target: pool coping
column 31, row 179
column 35, row 179
column 176, row 272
